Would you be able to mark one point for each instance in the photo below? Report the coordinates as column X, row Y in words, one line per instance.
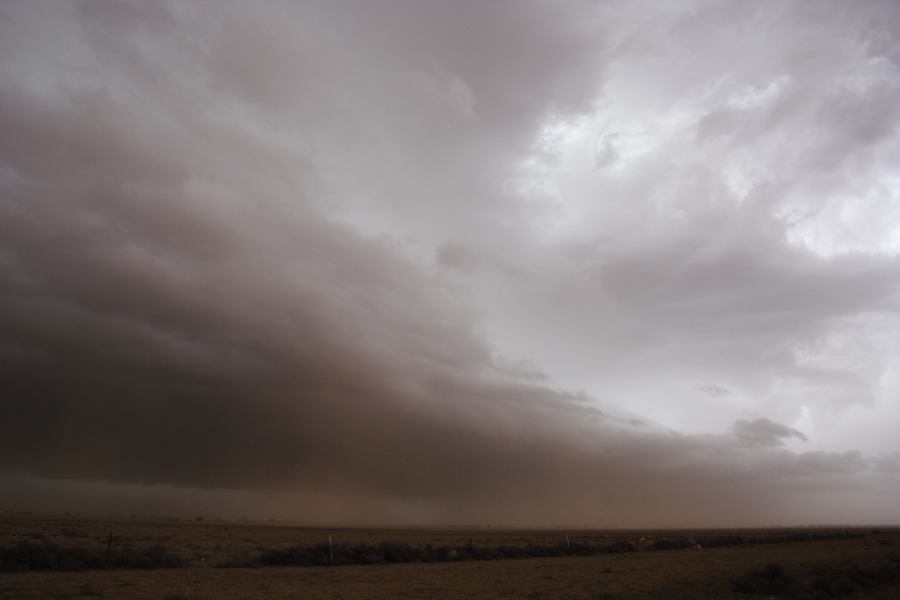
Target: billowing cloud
column 423, row 262
column 763, row 432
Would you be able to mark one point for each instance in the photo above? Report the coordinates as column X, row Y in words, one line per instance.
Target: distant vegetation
column 323, row 554
column 29, row 556
column 64, row 547
column 402, row 552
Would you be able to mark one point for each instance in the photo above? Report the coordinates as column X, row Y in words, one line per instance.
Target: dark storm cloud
column 203, row 298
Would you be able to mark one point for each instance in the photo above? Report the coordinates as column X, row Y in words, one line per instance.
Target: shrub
column 621, row 546
column 848, row 579
column 768, row 581
column 670, row 544
column 28, row 556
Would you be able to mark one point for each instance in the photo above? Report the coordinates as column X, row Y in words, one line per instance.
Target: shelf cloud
column 615, row 263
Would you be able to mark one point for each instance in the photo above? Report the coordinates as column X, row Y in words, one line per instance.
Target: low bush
column 771, row 580
column 824, row 582
column 837, row 581
column 29, row 556
column 401, row 552
column 622, row 546
column 671, row 544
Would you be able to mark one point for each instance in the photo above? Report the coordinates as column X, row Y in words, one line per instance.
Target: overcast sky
column 612, row 263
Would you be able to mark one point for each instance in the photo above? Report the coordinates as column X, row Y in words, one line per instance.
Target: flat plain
column 682, row 573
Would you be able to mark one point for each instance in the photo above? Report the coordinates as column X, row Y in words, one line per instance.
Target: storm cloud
column 510, row 262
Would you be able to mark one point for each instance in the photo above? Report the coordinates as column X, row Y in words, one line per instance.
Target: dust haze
column 514, row 263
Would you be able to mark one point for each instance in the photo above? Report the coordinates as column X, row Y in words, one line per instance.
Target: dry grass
column 707, row 573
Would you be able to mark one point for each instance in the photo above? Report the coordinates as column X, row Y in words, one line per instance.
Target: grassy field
column 710, row 572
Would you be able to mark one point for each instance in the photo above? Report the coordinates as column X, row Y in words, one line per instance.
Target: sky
column 597, row 263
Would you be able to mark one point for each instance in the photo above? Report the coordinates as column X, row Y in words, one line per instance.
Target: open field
column 686, row 573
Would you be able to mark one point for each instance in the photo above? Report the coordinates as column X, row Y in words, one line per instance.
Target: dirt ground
column 677, row 574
